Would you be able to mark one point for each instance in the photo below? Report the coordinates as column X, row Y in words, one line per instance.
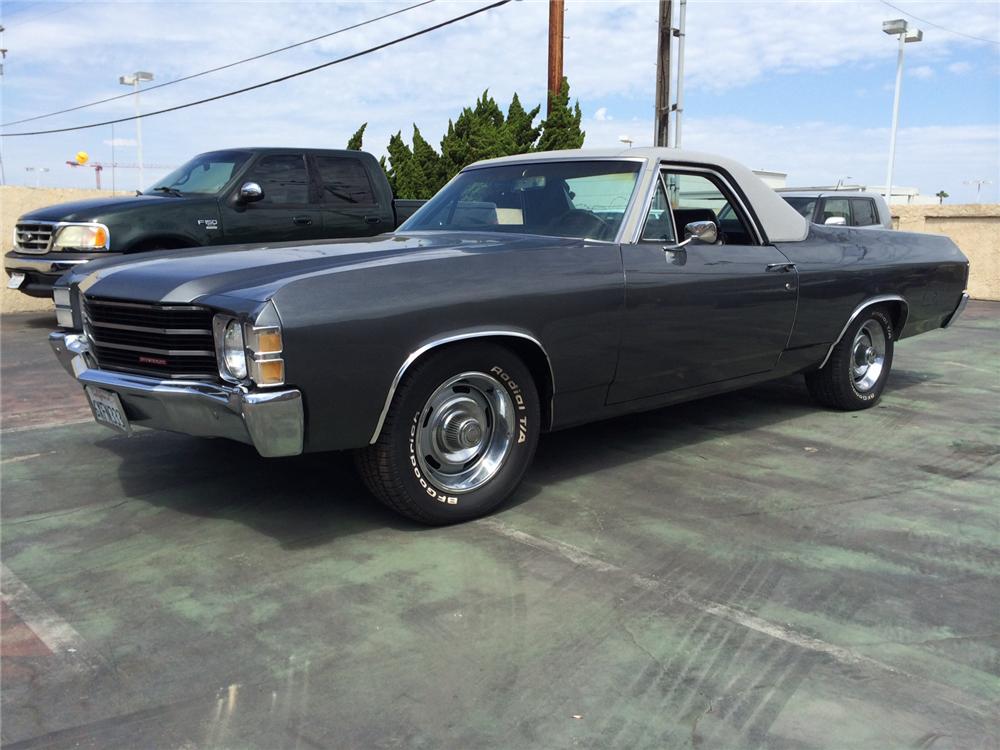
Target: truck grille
column 165, row 341
column 33, row 237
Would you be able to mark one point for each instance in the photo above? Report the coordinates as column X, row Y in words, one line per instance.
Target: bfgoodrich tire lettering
column 459, row 435
column 856, row 373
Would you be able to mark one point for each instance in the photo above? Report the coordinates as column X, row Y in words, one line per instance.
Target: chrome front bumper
column 271, row 421
column 958, row 311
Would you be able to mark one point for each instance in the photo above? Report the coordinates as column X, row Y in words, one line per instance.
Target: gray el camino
column 531, row 293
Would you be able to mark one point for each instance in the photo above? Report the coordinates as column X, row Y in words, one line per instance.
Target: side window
column 344, row 181
column 659, row 225
column 838, row 207
column 701, row 197
column 284, row 179
column 864, row 212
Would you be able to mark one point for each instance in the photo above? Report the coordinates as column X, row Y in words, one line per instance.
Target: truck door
column 349, row 203
column 701, row 313
column 288, row 211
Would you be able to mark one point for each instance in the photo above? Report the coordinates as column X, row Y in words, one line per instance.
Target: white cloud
column 959, row 68
column 601, row 115
column 922, row 71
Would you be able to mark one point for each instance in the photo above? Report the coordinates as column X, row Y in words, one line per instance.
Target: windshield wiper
column 169, row 190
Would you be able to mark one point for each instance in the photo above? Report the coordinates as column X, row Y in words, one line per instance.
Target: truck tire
column 459, row 435
column 855, row 375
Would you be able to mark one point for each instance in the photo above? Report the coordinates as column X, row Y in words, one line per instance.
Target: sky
column 798, row 87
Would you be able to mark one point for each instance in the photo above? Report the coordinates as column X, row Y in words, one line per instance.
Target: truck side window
column 838, row 207
column 284, row 179
column 701, row 197
column 659, row 224
column 345, row 181
column 864, row 212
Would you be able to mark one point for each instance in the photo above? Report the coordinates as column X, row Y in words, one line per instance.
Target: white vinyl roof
column 780, row 222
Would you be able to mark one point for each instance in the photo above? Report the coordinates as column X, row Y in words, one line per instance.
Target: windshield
column 205, row 174
column 804, row 206
column 561, row 199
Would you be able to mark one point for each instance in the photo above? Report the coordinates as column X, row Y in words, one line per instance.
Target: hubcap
column 465, row 432
column 868, row 356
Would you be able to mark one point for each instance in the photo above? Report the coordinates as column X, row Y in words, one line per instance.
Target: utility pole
column 979, row 187
column 661, row 133
column 556, row 12
column 679, row 106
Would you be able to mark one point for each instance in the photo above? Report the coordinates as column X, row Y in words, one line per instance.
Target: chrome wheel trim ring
column 465, row 432
column 868, row 356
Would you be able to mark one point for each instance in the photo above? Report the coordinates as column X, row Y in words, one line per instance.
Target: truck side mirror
column 836, row 221
column 251, row 192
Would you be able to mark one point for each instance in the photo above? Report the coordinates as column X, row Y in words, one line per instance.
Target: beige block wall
column 974, row 228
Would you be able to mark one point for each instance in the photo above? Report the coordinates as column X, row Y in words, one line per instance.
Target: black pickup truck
column 235, row 196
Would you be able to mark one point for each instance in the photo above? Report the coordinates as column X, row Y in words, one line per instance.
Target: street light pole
column 133, row 80
column 900, row 28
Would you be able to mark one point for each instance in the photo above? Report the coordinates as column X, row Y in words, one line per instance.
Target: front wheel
column 459, row 435
column 855, row 375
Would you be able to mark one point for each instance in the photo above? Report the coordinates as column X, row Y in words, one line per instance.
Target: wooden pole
column 661, row 134
column 556, row 11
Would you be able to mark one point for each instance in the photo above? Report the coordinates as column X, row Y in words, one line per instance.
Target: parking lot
column 743, row 571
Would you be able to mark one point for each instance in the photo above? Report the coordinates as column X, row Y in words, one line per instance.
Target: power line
column 273, row 81
column 939, row 26
column 221, row 67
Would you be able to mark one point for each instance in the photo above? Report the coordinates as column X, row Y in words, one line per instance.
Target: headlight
column 248, row 351
column 82, row 237
column 234, row 357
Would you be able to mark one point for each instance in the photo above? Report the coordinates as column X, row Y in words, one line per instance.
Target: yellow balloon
column 82, row 157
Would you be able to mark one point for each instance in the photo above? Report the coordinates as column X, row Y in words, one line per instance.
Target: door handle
column 373, row 220
column 780, row 267
column 301, row 220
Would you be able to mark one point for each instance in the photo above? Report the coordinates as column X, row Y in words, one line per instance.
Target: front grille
column 33, row 237
column 167, row 341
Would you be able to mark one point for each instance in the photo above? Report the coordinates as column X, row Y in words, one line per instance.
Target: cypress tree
column 518, row 125
column 400, row 156
column 429, row 162
column 561, row 129
column 354, row 144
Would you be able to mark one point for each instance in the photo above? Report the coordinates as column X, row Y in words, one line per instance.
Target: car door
column 289, row 209
column 700, row 313
column 348, row 200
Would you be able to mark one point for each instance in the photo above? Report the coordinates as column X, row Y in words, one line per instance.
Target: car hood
column 94, row 209
column 255, row 272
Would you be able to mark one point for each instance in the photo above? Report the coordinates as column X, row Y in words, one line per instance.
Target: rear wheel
column 855, row 375
column 459, row 435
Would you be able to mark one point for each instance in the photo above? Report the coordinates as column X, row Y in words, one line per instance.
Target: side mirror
column 251, row 192
column 703, row 231
column 836, row 221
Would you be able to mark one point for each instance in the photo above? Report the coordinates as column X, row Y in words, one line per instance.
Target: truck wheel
column 459, row 435
column 859, row 366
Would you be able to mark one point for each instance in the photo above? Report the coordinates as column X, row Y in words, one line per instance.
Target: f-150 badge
column 209, row 223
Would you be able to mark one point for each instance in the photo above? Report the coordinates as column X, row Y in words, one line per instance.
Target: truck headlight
column 82, row 237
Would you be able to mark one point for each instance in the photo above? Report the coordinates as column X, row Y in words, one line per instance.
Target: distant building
column 773, row 180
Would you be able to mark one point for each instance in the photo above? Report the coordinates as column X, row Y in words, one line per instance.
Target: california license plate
column 15, row 280
column 107, row 408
